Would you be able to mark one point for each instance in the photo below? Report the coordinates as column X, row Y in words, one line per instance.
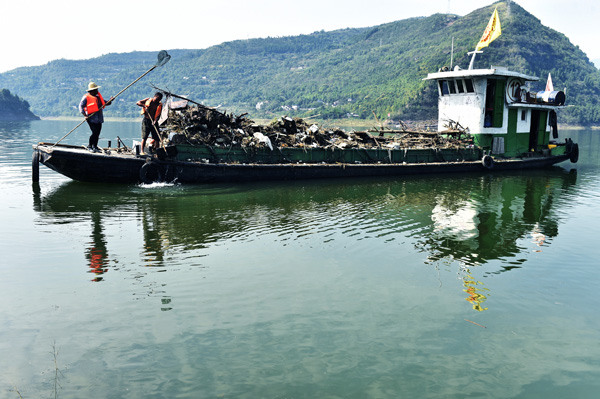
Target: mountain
column 332, row 74
column 13, row 108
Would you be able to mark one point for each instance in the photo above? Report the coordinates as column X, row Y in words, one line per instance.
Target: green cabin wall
column 483, row 140
column 516, row 143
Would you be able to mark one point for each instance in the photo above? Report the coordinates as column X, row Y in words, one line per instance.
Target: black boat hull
column 79, row 164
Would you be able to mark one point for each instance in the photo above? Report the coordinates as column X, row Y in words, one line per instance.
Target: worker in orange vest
column 91, row 106
column 151, row 109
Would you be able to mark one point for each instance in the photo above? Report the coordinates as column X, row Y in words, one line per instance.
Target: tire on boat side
column 574, row 153
column 487, row 161
column 151, row 172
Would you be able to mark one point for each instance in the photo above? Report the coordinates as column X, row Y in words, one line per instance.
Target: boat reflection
column 498, row 222
column 487, row 221
column 471, row 220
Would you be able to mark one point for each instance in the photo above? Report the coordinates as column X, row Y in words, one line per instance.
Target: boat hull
column 206, row 173
column 112, row 167
column 79, row 164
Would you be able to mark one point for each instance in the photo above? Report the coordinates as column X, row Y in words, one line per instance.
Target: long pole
column 163, row 58
column 72, row 130
column 155, row 129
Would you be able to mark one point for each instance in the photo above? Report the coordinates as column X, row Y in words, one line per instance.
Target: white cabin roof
column 469, row 73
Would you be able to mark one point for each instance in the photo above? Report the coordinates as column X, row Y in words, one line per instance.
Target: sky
column 35, row 32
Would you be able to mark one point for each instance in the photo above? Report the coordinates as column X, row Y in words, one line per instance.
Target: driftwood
column 198, row 124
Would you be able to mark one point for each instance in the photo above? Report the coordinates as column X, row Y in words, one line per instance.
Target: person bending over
column 151, row 109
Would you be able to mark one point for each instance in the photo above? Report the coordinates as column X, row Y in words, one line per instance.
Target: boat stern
column 77, row 163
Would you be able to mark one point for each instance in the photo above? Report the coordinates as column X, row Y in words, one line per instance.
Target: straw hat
column 93, row 86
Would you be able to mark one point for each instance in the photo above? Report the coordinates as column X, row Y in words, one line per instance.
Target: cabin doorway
column 494, row 103
column 534, row 129
column 537, row 132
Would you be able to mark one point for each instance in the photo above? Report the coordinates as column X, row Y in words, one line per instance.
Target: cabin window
column 523, row 114
column 443, row 87
column 455, row 86
column 469, row 86
column 494, row 103
column 452, row 86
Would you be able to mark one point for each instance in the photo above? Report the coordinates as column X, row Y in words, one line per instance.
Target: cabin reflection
column 493, row 223
column 471, row 220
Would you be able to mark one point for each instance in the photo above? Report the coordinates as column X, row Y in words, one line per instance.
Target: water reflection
column 475, row 291
column 471, row 220
column 155, row 243
column 495, row 215
column 492, row 220
column 13, row 130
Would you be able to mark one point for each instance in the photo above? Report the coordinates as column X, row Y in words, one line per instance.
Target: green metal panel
column 522, row 146
column 483, row 140
column 319, row 155
column 510, row 141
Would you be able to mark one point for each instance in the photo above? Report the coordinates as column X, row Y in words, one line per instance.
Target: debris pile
column 203, row 125
column 197, row 124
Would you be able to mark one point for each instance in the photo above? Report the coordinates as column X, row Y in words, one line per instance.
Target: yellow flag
column 492, row 31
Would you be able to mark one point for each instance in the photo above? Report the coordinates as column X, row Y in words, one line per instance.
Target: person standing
column 91, row 106
column 151, row 109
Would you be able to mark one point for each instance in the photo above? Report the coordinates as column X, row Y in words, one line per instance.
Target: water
column 433, row 287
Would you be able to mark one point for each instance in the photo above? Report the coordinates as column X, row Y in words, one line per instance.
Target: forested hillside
column 13, row 108
column 332, row 74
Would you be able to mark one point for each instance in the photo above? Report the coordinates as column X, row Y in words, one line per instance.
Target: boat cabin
column 497, row 108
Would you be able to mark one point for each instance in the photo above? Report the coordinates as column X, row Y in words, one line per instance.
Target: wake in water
column 157, row 185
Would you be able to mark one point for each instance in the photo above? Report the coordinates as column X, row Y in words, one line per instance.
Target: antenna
column 448, row 16
column 452, row 53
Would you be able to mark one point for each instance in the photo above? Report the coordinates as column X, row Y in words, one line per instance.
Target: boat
column 510, row 128
column 488, row 120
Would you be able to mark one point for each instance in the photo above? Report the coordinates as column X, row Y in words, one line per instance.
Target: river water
column 433, row 287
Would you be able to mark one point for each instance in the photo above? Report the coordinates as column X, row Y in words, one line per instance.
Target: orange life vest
column 91, row 105
column 147, row 106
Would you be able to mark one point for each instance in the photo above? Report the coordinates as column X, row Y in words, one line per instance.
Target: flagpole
column 473, row 57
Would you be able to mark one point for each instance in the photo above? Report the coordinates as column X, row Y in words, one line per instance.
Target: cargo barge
column 509, row 128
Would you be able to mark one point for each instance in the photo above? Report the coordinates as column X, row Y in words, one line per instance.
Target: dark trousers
column 148, row 129
column 95, row 128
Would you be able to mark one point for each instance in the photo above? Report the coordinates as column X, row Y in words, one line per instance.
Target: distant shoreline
column 358, row 123
column 74, row 118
